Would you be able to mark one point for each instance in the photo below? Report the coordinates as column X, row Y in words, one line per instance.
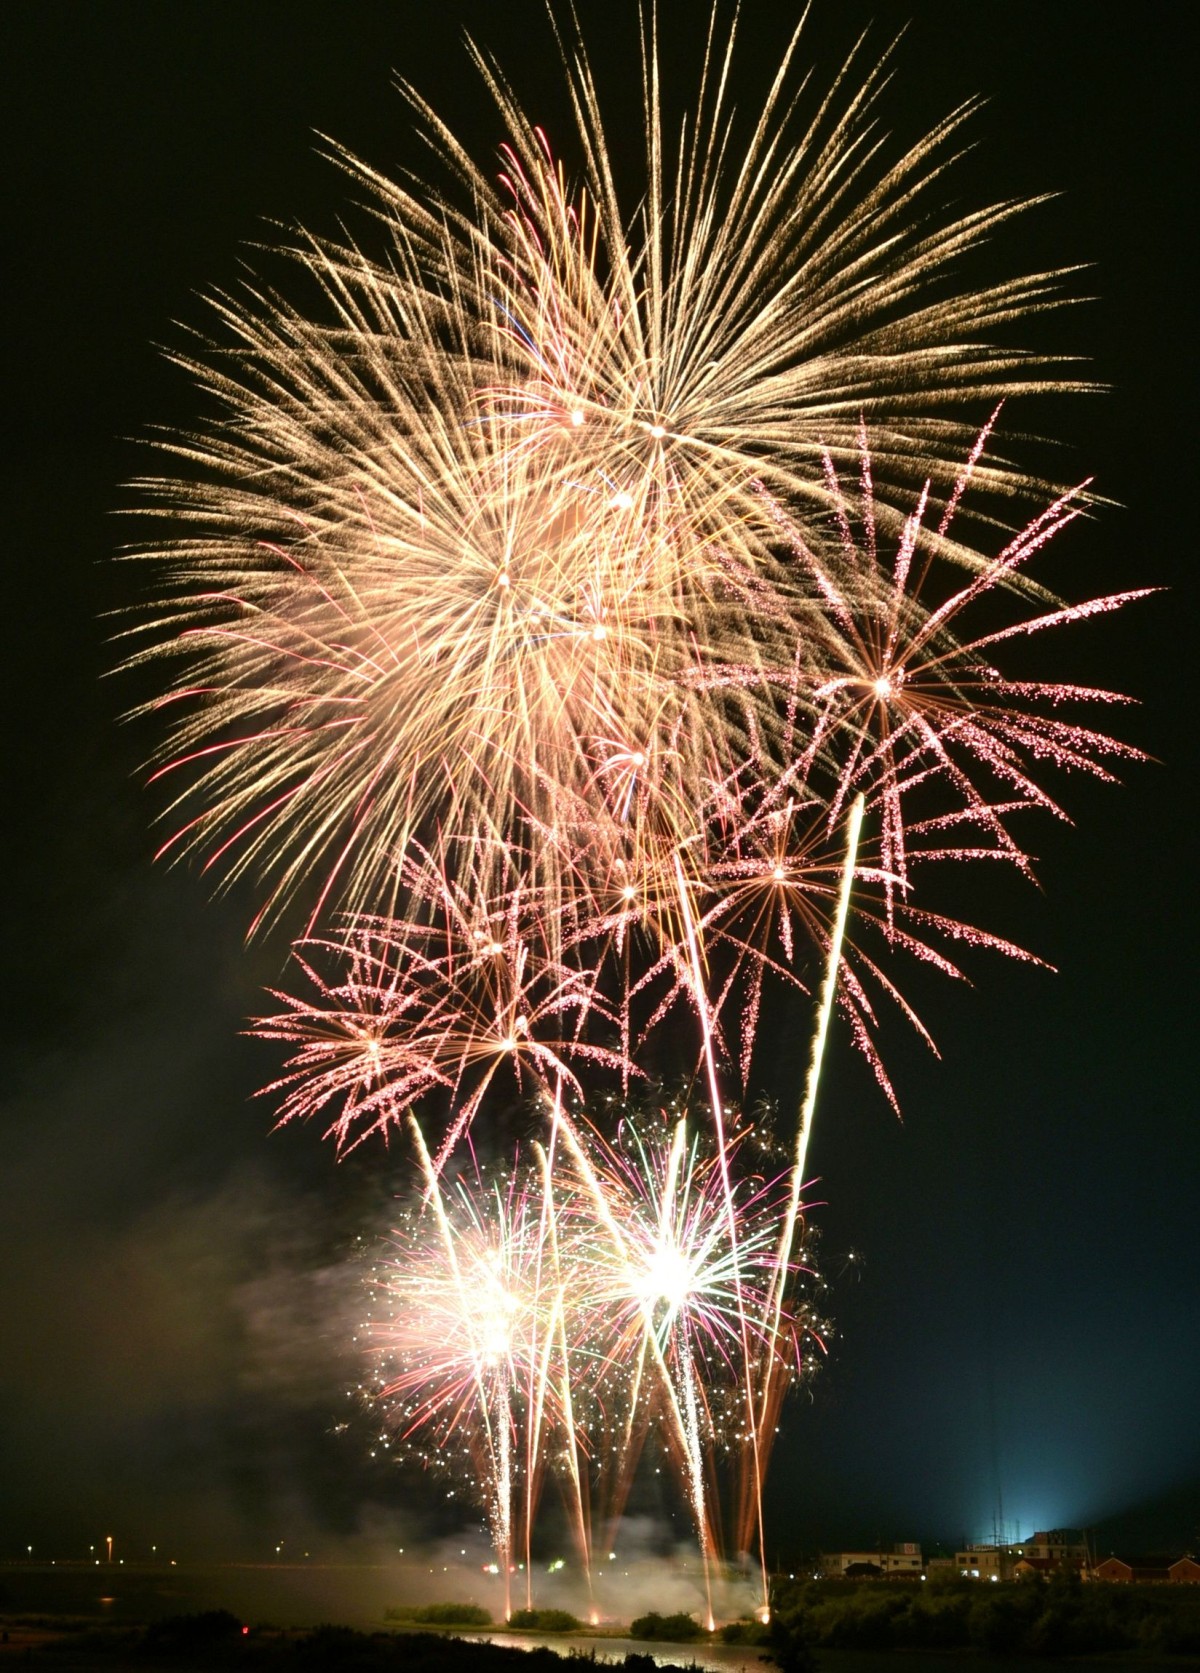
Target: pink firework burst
column 461, row 992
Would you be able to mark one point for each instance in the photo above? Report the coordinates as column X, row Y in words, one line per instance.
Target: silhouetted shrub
column 791, row 1642
column 193, row 1632
column 440, row 1614
column 1000, row 1619
column 677, row 1629
column 746, row 1631
column 861, row 1621
column 545, row 1620
column 339, row 1650
column 1176, row 1633
column 936, row 1618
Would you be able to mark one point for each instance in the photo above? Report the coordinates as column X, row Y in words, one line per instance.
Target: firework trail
column 469, row 1341
column 763, row 1418
column 670, row 1286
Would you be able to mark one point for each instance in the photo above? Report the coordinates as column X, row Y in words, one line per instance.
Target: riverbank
column 57, row 1613
column 218, row 1643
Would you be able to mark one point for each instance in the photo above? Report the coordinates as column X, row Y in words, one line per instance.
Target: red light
column 245, row 1630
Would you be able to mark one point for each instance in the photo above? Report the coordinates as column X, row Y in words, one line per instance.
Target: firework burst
column 573, row 610
column 548, row 1317
column 672, row 1277
column 470, row 543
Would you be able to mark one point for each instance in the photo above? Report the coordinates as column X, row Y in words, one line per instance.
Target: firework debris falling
column 590, row 620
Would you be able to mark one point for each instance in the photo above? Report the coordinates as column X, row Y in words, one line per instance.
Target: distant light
column 657, row 431
column 577, row 418
column 883, row 687
column 622, row 501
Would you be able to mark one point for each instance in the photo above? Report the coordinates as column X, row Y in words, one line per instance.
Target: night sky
column 1020, row 1323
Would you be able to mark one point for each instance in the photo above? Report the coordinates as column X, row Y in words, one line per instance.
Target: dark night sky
column 1026, row 1311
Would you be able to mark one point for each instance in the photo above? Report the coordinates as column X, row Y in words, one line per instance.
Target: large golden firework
column 473, row 539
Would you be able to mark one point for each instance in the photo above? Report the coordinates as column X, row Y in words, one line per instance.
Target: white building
column 894, row 1562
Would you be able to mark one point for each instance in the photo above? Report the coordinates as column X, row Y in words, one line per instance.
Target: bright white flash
column 493, row 1309
column 668, row 1277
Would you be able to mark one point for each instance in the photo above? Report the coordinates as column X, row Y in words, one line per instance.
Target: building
column 1026, row 1568
column 896, row 1562
column 1148, row 1571
column 1066, row 1548
column 1055, row 1551
column 987, row 1562
column 1117, row 1570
